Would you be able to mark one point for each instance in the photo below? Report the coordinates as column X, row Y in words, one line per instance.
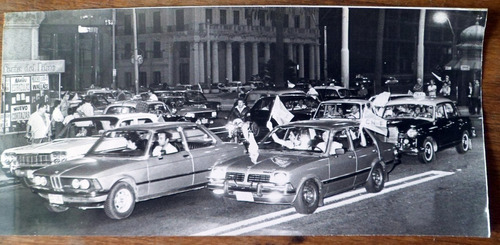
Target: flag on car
column 290, row 85
column 279, row 114
column 372, row 118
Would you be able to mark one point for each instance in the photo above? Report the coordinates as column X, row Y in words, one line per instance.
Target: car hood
column 268, row 162
column 88, row 167
column 72, row 146
column 185, row 110
column 405, row 124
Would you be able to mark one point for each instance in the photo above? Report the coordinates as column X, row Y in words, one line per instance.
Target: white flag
column 279, row 113
column 290, row 85
column 370, row 118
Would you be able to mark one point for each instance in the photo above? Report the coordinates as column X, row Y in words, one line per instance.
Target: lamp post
column 441, row 18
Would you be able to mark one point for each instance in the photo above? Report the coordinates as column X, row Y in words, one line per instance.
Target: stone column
column 243, row 72
column 267, row 52
column 196, row 63
column 255, row 59
column 290, row 52
column 312, row 68
column 215, row 62
column 229, row 61
column 318, row 66
column 301, row 60
column 201, row 63
column 170, row 62
column 20, row 36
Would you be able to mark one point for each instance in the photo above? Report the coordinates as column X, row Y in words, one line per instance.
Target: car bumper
column 78, row 200
column 255, row 192
column 407, row 146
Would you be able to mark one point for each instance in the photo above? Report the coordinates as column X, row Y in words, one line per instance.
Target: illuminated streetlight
column 441, row 18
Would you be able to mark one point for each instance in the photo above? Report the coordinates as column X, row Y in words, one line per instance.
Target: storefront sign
column 20, row 112
column 465, row 68
column 19, row 84
column 32, row 66
column 40, row 82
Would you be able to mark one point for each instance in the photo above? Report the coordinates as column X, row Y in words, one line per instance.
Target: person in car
column 162, row 146
column 354, row 112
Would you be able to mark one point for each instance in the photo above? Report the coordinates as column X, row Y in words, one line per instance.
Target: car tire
column 428, row 154
column 120, row 202
column 465, row 143
column 307, row 199
column 56, row 208
column 376, row 179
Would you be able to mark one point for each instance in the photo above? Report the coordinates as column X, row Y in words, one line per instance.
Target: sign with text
column 19, row 84
column 20, row 112
column 32, row 67
column 40, row 82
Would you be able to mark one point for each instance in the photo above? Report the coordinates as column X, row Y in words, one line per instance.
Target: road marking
column 332, row 202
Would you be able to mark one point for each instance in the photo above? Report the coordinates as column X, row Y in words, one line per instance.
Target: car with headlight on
column 303, row 162
column 132, row 164
column 74, row 140
column 423, row 125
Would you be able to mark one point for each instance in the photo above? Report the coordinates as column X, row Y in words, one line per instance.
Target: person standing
column 86, row 109
column 445, row 90
column 419, row 86
column 476, row 98
column 57, row 118
column 363, row 92
column 65, row 104
column 432, row 89
column 38, row 127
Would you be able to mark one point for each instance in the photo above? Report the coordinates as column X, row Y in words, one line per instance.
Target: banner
column 40, row 82
column 19, row 84
column 20, row 112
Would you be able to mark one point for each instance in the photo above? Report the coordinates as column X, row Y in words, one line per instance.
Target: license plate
column 56, row 199
column 29, row 174
column 244, row 196
column 204, row 120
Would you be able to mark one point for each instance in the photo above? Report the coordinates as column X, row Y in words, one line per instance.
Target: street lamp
column 441, row 18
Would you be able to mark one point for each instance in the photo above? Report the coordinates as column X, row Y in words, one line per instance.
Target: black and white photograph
column 243, row 121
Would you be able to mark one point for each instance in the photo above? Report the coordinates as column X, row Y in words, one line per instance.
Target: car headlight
column 174, row 110
column 40, row 180
column 9, row 159
column 83, row 184
column 214, row 114
column 280, row 178
column 218, row 173
column 57, row 157
column 412, row 133
column 189, row 114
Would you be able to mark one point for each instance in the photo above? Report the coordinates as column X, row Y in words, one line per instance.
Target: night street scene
column 255, row 121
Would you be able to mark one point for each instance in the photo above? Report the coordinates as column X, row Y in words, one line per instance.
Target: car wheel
column 55, row 208
column 307, row 199
column 465, row 143
column 376, row 180
column 427, row 155
column 120, row 202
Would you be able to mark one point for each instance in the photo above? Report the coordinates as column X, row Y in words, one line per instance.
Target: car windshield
column 195, row 96
column 168, row 93
column 301, row 139
column 120, row 110
column 408, row 111
column 87, row 128
column 126, row 143
column 338, row 110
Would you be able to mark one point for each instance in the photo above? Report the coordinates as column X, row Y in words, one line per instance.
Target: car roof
column 276, row 91
column 133, row 103
column 323, row 124
column 420, row 101
column 360, row 101
column 157, row 125
column 329, row 87
column 118, row 116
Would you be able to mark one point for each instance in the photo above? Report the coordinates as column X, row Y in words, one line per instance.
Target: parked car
column 341, row 109
column 252, row 96
column 303, row 162
column 72, row 142
column 197, row 99
column 332, row 92
column 423, row 125
column 235, row 87
column 106, row 93
column 301, row 106
column 123, row 167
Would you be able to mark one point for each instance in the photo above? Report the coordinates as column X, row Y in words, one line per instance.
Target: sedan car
column 423, row 125
column 301, row 163
column 130, row 164
column 341, row 109
column 71, row 143
column 332, row 92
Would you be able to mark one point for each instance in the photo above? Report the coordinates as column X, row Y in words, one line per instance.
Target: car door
column 366, row 152
column 169, row 172
column 203, row 151
column 342, row 164
column 443, row 127
column 454, row 124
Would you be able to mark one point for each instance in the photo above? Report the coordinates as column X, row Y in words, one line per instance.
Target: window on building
column 128, row 25
column 184, row 49
column 128, row 51
column 143, row 79
column 236, row 17
column 223, row 17
column 157, row 53
column 128, row 79
column 179, row 20
column 142, row 50
column 156, row 22
column 297, row 21
column 208, row 13
column 308, row 22
column 248, row 16
column 262, row 18
column 141, row 23
column 157, row 77
column 285, row 21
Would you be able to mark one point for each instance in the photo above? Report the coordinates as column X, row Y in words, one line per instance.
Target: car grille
column 56, row 183
column 235, row 176
column 34, row 159
column 203, row 114
column 258, row 178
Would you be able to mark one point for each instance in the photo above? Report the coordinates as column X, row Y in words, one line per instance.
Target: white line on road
column 274, row 218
